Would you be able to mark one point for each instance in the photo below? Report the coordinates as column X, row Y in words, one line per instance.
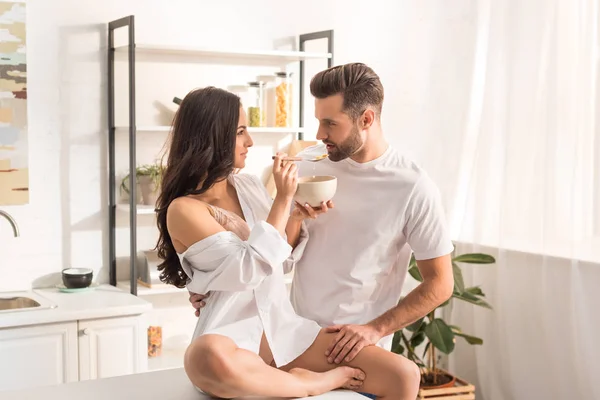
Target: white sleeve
column 223, row 262
column 297, row 252
column 426, row 228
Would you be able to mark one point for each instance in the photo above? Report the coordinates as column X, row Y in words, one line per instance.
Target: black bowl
column 77, row 278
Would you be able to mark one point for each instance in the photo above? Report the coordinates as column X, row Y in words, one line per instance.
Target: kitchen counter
column 102, row 301
column 161, row 385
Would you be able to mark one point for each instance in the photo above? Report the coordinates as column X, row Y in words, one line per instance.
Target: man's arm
column 427, row 234
column 436, row 288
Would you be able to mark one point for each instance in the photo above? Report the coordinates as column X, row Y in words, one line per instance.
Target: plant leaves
column 414, row 272
column 416, row 326
column 413, row 261
column 417, row 339
column 410, row 351
column 476, row 290
column 396, row 345
column 475, row 258
column 426, row 348
column 471, row 298
column 398, row 349
column 396, row 341
column 459, row 283
column 440, row 335
column 470, row 339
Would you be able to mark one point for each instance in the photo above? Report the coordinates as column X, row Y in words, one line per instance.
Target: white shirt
column 245, row 278
column 355, row 262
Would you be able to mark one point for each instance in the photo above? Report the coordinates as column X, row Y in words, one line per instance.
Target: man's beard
column 347, row 148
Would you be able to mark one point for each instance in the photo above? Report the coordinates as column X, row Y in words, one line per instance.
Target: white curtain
column 527, row 191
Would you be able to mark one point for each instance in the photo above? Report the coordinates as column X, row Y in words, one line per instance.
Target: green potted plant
column 148, row 179
column 434, row 332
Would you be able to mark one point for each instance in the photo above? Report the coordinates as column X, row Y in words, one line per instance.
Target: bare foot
column 321, row 382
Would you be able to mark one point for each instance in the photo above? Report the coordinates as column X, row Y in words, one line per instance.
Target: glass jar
column 256, row 111
column 283, row 99
column 154, row 341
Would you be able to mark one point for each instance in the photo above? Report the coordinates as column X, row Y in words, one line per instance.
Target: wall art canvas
column 14, row 160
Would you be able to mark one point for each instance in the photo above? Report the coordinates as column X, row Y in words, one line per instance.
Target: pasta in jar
column 283, row 100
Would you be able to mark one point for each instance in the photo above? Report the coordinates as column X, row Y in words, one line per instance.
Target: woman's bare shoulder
column 190, row 220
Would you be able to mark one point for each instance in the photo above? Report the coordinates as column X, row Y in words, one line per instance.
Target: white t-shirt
column 355, row 262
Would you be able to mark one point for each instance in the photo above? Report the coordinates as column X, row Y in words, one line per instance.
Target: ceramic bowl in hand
column 315, row 189
column 77, row 278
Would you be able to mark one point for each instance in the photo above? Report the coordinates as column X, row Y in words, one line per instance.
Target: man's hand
column 349, row 341
column 197, row 301
column 301, row 212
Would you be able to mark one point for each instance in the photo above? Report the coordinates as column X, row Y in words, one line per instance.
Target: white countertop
column 100, row 302
column 161, row 385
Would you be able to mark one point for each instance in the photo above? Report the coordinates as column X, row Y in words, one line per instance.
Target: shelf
column 146, row 291
column 218, row 59
column 141, row 209
column 167, row 128
column 229, row 56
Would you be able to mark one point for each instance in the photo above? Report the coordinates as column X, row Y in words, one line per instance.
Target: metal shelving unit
column 199, row 55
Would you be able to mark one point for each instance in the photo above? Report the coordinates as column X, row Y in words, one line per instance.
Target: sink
column 14, row 303
column 23, row 301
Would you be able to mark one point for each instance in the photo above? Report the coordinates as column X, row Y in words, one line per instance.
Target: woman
column 221, row 232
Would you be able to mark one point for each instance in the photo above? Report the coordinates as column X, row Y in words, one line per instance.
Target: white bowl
column 315, row 189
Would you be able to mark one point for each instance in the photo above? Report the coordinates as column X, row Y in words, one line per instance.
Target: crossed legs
column 218, row 367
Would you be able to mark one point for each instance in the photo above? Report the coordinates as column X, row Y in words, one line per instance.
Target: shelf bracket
column 112, row 26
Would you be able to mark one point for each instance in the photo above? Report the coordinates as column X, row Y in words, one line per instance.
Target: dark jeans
column 371, row 396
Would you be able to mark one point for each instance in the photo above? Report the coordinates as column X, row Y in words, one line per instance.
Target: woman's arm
column 292, row 231
column 285, row 174
column 298, row 215
column 216, row 259
column 279, row 214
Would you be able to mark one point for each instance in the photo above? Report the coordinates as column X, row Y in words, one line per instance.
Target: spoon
column 313, row 159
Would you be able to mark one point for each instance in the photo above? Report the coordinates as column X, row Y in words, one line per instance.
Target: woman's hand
column 285, row 174
column 301, row 212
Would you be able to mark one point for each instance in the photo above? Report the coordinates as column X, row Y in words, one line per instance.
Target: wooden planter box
column 462, row 390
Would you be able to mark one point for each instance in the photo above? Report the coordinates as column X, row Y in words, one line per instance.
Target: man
column 350, row 275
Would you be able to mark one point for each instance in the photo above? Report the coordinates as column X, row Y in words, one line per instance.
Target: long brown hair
column 201, row 153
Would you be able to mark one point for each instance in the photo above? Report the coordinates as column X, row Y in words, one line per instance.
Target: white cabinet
column 112, row 347
column 40, row 355
column 51, row 354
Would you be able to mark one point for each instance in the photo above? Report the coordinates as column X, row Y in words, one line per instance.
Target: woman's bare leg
column 388, row 376
column 216, row 365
